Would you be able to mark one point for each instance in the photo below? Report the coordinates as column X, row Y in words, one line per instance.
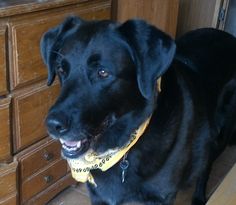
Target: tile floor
column 77, row 195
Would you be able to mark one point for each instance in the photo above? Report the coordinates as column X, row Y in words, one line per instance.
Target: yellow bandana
column 80, row 167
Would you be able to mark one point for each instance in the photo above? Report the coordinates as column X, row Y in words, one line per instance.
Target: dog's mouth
column 73, row 149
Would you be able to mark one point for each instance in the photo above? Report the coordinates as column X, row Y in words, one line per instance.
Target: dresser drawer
column 10, row 200
column 4, row 129
column 40, row 181
column 7, row 179
column 30, row 108
column 39, row 158
column 47, row 194
column 3, row 81
column 26, row 35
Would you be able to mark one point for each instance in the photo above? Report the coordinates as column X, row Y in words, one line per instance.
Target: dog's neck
column 80, row 168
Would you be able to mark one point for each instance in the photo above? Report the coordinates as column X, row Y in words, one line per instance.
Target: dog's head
column 106, row 70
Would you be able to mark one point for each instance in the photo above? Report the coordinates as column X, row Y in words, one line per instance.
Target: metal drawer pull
column 48, row 156
column 48, row 178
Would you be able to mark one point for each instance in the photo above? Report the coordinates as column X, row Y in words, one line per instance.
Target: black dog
column 108, row 74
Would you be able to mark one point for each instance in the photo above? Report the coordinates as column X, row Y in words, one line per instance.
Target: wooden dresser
column 31, row 169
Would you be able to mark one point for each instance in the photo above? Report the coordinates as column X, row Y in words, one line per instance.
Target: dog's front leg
column 94, row 198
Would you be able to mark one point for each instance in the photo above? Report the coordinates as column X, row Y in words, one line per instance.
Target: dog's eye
column 103, row 74
column 60, row 70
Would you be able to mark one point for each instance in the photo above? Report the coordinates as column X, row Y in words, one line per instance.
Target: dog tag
column 124, row 164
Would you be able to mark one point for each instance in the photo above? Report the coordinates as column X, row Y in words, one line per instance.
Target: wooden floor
column 77, row 195
column 74, row 195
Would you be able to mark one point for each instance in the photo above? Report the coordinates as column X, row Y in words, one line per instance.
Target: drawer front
column 4, row 129
column 7, row 179
column 26, row 36
column 30, row 109
column 11, row 200
column 46, row 195
column 39, row 158
column 43, row 179
column 3, row 81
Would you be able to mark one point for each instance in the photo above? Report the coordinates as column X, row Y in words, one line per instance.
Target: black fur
column 193, row 118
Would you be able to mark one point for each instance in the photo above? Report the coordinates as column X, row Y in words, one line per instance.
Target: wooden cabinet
column 40, row 166
column 161, row 13
column 31, row 168
column 38, row 158
column 3, row 79
column 44, row 196
column 8, row 189
column 12, row 199
column 29, row 111
column 27, row 30
column 5, row 148
column 43, row 179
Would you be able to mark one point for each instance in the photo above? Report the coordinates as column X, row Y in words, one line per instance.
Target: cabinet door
column 39, row 157
column 161, row 13
column 43, row 179
column 11, row 200
column 26, row 31
column 4, row 129
column 8, row 178
column 48, row 193
column 30, row 107
column 3, row 82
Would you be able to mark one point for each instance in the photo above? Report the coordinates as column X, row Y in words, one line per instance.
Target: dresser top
column 14, row 7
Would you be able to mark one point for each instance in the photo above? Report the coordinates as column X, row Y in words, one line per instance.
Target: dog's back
column 210, row 53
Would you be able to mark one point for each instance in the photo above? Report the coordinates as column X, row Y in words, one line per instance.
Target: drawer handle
column 48, row 156
column 48, row 178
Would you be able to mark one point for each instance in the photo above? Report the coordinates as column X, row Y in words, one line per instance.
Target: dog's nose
column 56, row 126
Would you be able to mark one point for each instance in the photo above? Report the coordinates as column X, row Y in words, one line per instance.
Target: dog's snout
column 56, row 125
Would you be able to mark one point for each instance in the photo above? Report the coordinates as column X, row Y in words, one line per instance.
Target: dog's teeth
column 69, row 148
column 62, row 141
column 79, row 144
column 73, row 148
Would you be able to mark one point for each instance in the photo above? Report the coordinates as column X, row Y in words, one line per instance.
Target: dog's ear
column 52, row 40
column 153, row 51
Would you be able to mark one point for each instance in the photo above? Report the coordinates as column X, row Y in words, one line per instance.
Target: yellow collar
column 80, row 167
